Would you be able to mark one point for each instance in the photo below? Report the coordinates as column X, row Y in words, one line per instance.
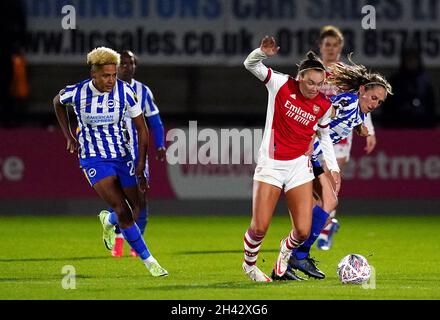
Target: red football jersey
column 292, row 119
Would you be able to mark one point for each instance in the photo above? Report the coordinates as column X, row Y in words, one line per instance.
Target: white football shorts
column 288, row 174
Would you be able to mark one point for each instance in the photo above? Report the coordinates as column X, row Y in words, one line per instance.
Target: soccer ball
column 354, row 269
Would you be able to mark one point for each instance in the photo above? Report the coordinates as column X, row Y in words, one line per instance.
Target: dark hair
column 311, row 62
column 348, row 78
column 130, row 54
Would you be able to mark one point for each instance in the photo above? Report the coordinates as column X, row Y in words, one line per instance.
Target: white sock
column 107, row 223
column 149, row 260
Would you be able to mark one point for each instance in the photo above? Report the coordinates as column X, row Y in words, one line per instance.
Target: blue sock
column 134, row 238
column 142, row 219
column 112, row 217
column 318, row 221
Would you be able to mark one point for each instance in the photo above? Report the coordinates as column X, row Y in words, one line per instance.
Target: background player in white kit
column 149, row 108
column 294, row 111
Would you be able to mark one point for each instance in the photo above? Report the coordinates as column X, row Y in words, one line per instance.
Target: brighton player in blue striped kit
column 363, row 92
column 149, row 108
column 331, row 43
column 100, row 103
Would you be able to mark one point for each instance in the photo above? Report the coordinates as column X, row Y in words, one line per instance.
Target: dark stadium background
column 190, row 55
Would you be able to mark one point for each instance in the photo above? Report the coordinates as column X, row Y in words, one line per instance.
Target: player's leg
column 299, row 201
column 264, row 200
column 325, row 239
column 142, row 217
column 300, row 258
column 134, row 237
column 109, row 189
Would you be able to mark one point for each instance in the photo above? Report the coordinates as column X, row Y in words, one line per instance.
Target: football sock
column 325, row 232
column 292, row 242
column 134, row 237
column 143, row 219
column 252, row 244
column 112, row 218
column 318, row 221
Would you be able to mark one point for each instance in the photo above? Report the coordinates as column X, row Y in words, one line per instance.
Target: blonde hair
column 348, row 78
column 331, row 31
column 102, row 56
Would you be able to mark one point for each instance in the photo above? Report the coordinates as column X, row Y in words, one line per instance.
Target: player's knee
column 258, row 230
column 302, row 234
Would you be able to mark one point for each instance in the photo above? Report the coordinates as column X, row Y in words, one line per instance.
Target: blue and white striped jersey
column 348, row 115
column 101, row 133
column 148, row 107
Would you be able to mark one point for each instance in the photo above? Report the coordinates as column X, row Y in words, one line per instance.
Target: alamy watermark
column 369, row 20
column 69, row 280
column 69, row 20
column 371, row 283
column 213, row 146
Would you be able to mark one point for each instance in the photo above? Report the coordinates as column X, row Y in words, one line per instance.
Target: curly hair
column 101, row 56
column 348, row 78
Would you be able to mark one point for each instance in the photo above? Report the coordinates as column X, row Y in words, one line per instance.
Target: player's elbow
column 56, row 100
column 247, row 64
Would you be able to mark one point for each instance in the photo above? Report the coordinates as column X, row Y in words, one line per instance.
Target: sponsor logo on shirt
column 299, row 114
column 110, row 104
column 99, row 119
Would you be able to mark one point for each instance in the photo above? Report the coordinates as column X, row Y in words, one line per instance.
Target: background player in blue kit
column 149, row 108
column 100, row 104
column 363, row 92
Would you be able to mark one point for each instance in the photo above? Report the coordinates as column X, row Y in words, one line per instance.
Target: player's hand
column 72, row 145
column 269, row 46
column 337, row 179
column 362, row 130
column 311, row 148
column 161, row 154
column 371, row 143
column 142, row 180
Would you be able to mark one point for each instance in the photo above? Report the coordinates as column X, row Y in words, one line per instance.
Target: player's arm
column 371, row 139
column 63, row 120
column 135, row 112
column 158, row 130
column 327, row 148
column 151, row 113
column 142, row 132
column 253, row 62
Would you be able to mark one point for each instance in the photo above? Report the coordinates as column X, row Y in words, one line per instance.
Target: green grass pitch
column 203, row 256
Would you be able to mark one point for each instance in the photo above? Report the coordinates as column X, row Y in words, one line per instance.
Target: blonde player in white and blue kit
column 150, row 110
column 100, row 104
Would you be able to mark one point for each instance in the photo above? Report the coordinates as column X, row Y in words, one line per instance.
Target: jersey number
column 130, row 164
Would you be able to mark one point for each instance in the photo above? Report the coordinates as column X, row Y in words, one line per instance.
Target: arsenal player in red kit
column 295, row 111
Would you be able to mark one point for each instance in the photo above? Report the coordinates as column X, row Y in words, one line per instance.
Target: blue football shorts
column 98, row 169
